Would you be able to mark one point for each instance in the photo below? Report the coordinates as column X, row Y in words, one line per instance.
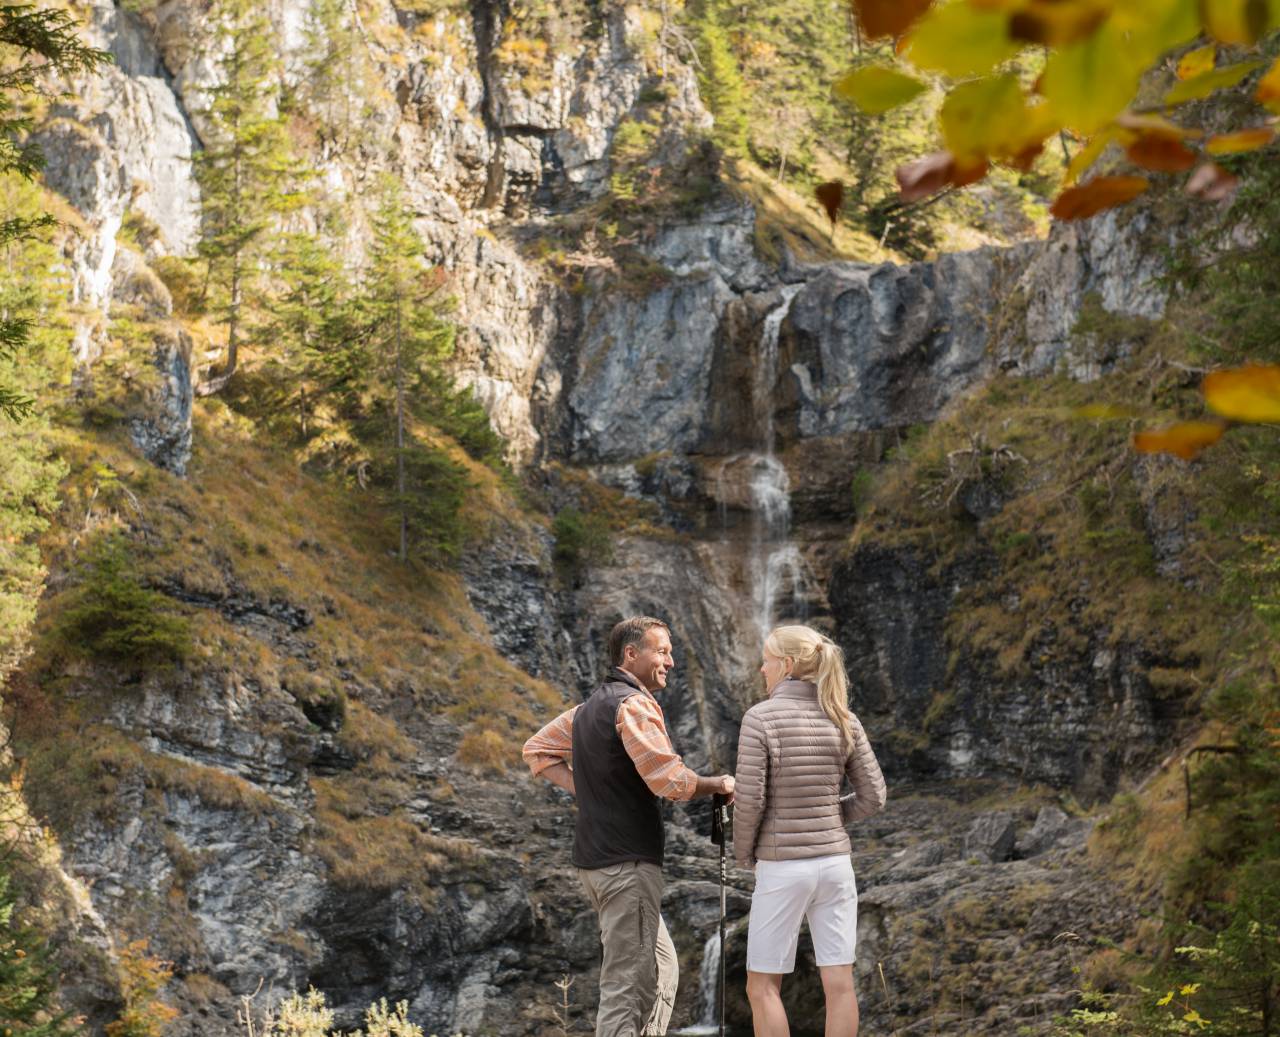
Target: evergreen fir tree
column 313, row 326
column 407, row 340
column 33, row 42
column 336, row 76
column 245, row 170
column 28, row 982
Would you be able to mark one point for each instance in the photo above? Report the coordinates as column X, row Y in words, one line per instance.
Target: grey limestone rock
column 990, row 837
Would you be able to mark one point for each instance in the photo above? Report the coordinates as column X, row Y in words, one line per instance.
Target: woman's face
column 774, row 669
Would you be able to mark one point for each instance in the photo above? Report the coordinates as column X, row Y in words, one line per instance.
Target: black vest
column 619, row 819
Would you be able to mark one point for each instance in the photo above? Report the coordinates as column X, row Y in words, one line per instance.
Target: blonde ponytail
column 815, row 657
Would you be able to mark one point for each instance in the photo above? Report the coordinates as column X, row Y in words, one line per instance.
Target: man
column 622, row 763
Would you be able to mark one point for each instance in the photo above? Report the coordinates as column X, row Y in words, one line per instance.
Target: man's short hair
column 631, row 632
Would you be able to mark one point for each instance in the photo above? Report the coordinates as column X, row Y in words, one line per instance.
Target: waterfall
column 708, row 991
column 778, row 572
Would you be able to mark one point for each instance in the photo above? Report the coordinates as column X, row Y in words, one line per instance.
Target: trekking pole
column 719, row 824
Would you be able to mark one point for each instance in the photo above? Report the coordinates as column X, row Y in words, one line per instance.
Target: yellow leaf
column 1234, row 21
column 1166, row 999
column 877, row 88
column 1268, row 93
column 1088, row 83
column 1185, row 440
column 1203, row 85
column 1154, row 27
column 1187, row 989
column 983, row 117
column 1088, row 155
column 961, row 40
column 1242, row 140
column 1250, row 393
column 1198, row 61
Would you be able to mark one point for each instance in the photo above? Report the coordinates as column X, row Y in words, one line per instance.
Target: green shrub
column 112, row 615
column 28, row 982
column 581, row 541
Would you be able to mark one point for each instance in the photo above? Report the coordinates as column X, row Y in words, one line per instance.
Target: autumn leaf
column 983, row 117
column 1054, row 24
column 1203, row 85
column 1241, row 140
column 1212, row 183
column 830, row 196
column 1250, row 393
column 1161, row 154
column 1097, row 195
column 1197, row 62
column 1234, row 21
column 888, row 17
column 1088, row 155
column 1185, row 440
column 961, row 40
column 1089, row 82
column 929, row 175
column 877, row 88
column 1268, row 92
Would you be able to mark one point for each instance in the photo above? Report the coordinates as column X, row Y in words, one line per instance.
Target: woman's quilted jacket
column 787, row 787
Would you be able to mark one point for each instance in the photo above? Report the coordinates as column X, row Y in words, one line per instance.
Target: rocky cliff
column 719, row 402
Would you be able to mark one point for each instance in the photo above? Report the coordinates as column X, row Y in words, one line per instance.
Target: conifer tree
column 28, row 982
column 336, row 77
column 245, row 170
column 33, row 42
column 407, row 339
column 313, row 325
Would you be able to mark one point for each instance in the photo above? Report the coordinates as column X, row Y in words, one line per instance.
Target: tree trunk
column 400, row 479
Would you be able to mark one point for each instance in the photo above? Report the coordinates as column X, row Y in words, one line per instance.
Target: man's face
column 650, row 660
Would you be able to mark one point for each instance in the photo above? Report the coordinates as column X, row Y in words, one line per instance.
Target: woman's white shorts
column 821, row 889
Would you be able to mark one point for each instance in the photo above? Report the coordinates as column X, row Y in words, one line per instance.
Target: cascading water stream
column 708, row 992
column 777, row 569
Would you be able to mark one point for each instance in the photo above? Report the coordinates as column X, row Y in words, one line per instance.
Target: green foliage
column 581, row 540
column 111, row 615
column 34, row 284
column 406, row 337
column 335, row 87
column 720, row 79
column 28, row 980
column 246, row 171
column 32, row 43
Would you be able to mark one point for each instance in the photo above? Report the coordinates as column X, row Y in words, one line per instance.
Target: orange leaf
column 1185, row 439
column 1099, row 194
column 1242, row 140
column 930, row 174
column 831, row 196
column 1212, row 183
column 1268, row 93
column 1197, row 62
column 889, row 17
column 1250, row 393
column 1137, row 125
column 1161, row 154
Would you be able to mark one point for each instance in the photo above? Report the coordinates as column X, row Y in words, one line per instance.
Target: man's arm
column 549, row 751
column 643, row 731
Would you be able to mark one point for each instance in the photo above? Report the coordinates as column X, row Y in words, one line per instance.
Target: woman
column 794, row 749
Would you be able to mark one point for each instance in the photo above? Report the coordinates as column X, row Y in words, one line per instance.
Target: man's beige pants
column 639, row 973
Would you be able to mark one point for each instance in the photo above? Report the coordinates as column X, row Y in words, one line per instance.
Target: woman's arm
column 750, row 784
column 863, row 772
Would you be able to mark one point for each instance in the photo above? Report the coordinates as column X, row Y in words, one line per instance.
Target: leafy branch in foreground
column 1095, row 56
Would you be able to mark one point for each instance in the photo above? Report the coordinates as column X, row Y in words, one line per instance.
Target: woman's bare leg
column 842, row 1000
column 764, row 991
